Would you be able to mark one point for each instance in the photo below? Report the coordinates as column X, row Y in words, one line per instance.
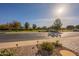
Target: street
column 23, row 36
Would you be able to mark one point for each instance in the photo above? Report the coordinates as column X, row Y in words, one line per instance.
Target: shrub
column 6, row 52
column 47, row 46
column 57, row 44
column 45, row 49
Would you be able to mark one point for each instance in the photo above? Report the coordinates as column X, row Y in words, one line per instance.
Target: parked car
column 54, row 34
column 76, row 30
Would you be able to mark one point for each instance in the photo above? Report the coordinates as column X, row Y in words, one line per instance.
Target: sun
column 60, row 10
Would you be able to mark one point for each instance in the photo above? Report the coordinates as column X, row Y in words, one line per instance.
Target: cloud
column 71, row 20
column 61, row 9
column 43, row 22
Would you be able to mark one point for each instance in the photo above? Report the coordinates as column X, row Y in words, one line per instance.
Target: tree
column 38, row 28
column 10, row 26
column 16, row 25
column 34, row 26
column 77, row 26
column 70, row 27
column 27, row 25
column 57, row 24
column 3, row 27
column 44, row 27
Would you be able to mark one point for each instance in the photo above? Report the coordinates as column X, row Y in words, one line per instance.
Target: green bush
column 45, row 49
column 50, row 46
column 57, row 44
column 6, row 52
column 47, row 46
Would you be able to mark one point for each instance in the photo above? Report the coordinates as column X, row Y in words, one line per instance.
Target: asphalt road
column 13, row 37
column 70, row 34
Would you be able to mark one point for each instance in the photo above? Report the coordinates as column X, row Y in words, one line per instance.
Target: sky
column 42, row 14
